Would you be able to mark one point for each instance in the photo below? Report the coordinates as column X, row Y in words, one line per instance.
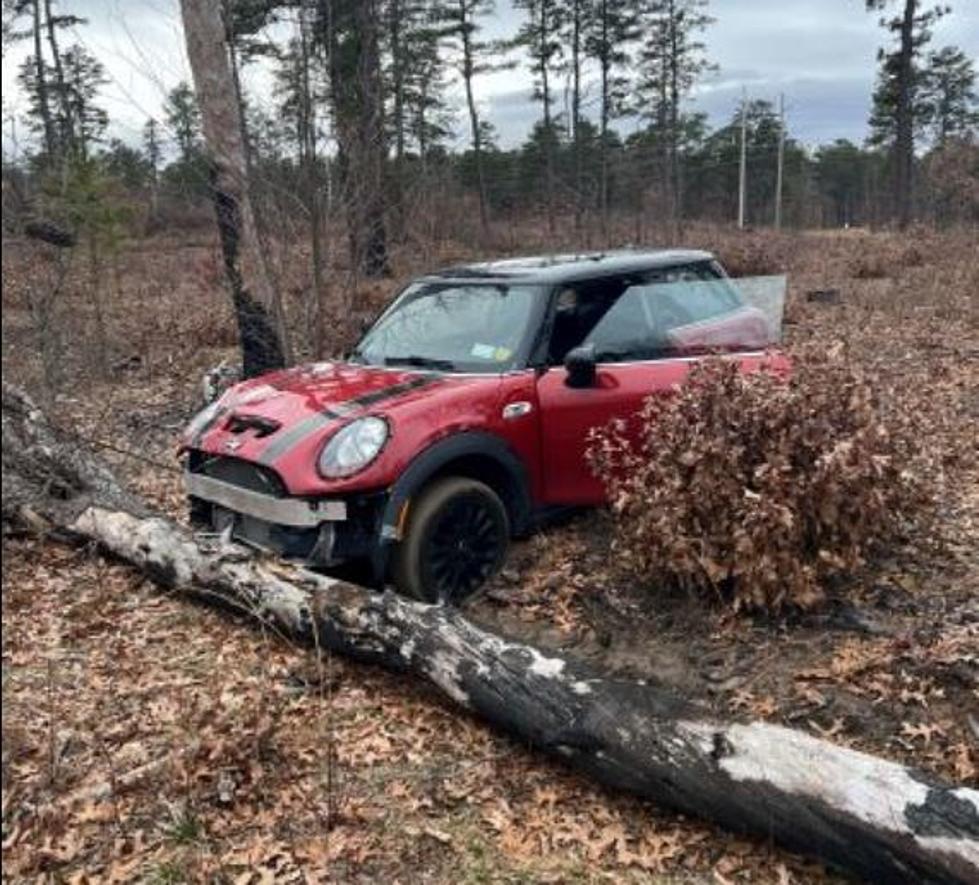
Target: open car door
column 643, row 332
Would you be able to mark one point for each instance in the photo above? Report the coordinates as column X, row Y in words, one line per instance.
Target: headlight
column 201, row 420
column 353, row 447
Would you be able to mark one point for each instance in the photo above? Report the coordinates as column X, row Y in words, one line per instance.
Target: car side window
column 579, row 309
column 655, row 314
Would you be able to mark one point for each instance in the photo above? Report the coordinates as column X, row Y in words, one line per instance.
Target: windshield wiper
column 423, row 362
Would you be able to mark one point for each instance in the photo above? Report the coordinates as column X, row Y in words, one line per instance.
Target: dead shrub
column 757, row 489
column 749, row 254
column 875, row 265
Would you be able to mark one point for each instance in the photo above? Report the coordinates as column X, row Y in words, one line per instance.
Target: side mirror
column 580, row 363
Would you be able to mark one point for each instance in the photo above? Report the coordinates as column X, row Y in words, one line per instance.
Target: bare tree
column 259, row 313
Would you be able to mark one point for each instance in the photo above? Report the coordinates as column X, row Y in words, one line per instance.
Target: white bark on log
column 867, row 815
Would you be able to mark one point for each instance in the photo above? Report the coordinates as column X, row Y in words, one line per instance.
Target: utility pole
column 781, row 161
column 743, row 169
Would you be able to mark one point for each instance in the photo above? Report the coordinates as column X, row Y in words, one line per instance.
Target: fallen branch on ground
column 867, row 815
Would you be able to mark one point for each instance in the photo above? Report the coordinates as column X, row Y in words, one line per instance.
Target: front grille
column 243, row 474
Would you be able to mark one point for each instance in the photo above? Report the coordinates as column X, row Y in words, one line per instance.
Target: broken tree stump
column 867, row 815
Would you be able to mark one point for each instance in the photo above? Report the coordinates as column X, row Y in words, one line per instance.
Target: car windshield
column 463, row 327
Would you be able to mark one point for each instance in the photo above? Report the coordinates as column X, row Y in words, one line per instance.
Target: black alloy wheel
column 455, row 541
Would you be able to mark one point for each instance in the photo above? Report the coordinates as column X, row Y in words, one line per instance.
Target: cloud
column 820, row 53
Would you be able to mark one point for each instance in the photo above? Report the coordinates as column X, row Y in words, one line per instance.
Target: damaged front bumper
column 293, row 512
column 319, row 532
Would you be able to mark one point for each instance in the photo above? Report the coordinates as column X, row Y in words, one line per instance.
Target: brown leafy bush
column 756, row 488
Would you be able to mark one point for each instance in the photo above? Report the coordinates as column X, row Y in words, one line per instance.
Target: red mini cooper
column 461, row 418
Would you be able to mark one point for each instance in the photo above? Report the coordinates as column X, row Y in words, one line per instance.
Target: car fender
column 431, row 462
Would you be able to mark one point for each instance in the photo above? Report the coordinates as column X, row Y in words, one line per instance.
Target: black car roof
column 566, row 268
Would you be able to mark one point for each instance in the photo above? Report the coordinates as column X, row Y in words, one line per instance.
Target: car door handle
column 517, row 410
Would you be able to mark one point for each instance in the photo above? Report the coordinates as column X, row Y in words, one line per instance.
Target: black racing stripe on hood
column 377, row 396
column 314, row 423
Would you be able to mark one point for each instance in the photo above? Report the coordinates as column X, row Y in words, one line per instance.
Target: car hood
column 263, row 419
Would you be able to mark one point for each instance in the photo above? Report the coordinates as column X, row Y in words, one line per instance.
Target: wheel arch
column 472, row 454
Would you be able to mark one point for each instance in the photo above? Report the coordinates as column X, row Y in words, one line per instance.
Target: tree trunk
column 261, row 223
column 468, row 71
column 308, row 133
column 904, row 142
column 576, row 112
column 40, row 72
column 395, row 24
column 603, row 128
column 66, row 134
column 544, row 36
column 869, row 816
column 358, row 109
column 674, row 129
column 257, row 310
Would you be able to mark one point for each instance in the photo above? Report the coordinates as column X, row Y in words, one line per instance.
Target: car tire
column 456, row 539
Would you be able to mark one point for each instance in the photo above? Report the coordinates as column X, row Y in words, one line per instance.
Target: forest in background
column 363, row 113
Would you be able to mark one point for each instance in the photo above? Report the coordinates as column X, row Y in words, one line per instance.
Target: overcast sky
column 820, row 53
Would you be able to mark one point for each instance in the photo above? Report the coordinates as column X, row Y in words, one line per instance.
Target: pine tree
column 415, row 73
column 896, row 113
column 613, row 27
column 575, row 20
column 81, row 78
column 183, row 117
column 541, row 37
column 461, row 26
column 348, row 31
column 950, row 105
column 672, row 59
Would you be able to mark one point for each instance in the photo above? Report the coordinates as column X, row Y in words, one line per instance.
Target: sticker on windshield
column 483, row 351
column 502, row 354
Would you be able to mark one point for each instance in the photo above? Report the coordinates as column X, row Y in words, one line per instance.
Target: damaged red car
column 460, row 420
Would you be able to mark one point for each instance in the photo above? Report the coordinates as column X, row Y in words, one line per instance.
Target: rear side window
column 662, row 313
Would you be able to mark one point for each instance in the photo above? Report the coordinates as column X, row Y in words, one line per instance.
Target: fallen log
column 867, row 815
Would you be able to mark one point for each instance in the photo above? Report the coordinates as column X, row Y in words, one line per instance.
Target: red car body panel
column 618, row 392
column 318, row 399
column 550, row 438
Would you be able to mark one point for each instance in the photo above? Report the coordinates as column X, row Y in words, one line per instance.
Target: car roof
column 566, row 268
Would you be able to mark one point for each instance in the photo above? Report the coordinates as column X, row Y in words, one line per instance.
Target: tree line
column 361, row 120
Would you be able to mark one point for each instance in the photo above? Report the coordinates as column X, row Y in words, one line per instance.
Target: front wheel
column 457, row 537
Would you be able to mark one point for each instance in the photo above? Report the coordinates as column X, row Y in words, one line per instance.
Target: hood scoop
column 238, row 423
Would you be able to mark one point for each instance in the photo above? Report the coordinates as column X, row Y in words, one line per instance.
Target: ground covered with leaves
column 148, row 739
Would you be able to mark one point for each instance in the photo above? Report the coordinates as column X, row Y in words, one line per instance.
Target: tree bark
column 605, row 62
column 66, row 126
column 310, row 163
column 544, row 37
column 576, row 28
column 867, row 815
column 904, row 141
column 351, row 39
column 40, row 72
column 258, row 312
column 468, row 72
